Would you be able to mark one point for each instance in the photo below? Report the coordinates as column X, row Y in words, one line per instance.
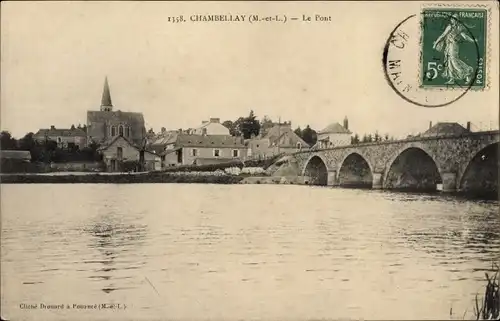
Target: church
column 106, row 124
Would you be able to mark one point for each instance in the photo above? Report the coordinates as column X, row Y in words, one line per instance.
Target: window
column 216, row 152
column 119, row 152
column 204, row 131
column 120, row 130
column 113, row 131
column 59, row 139
column 194, row 152
column 127, row 131
column 299, row 146
column 236, row 153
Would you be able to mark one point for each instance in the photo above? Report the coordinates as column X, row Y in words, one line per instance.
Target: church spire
column 106, row 104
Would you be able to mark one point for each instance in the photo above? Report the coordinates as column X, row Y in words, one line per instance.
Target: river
column 226, row 252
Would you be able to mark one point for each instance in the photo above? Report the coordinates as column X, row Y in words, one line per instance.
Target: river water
column 226, row 252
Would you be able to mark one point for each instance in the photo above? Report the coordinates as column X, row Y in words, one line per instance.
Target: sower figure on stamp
column 449, row 42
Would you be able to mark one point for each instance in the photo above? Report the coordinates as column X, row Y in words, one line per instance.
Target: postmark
column 421, row 63
column 453, row 47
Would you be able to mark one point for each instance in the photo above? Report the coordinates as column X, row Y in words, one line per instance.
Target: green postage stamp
column 454, row 48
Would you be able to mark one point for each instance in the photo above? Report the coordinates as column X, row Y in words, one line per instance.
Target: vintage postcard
column 249, row 160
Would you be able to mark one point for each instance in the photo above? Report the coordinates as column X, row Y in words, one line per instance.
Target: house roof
column 446, row 129
column 16, row 154
column 219, row 141
column 335, row 128
column 277, row 132
column 164, row 138
column 72, row 132
column 110, row 141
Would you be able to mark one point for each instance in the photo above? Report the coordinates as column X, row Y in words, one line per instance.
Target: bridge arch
column 481, row 172
column 412, row 168
column 355, row 171
column 316, row 169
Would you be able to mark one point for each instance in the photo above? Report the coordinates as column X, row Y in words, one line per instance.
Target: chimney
column 346, row 123
column 52, row 127
column 430, row 125
column 215, row 120
column 180, row 130
column 163, row 129
column 468, row 125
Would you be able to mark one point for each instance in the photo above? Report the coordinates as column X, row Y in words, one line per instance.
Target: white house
column 334, row 135
column 210, row 127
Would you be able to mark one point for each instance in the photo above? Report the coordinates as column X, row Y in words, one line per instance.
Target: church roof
column 103, row 116
column 335, row 128
column 446, row 129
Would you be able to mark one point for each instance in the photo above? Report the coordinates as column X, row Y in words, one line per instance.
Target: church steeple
column 106, row 104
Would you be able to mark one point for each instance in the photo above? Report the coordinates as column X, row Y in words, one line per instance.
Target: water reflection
column 116, row 241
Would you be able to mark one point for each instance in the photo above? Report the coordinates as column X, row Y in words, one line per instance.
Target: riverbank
column 120, row 178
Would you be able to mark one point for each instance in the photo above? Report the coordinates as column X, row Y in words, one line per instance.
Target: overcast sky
column 55, row 57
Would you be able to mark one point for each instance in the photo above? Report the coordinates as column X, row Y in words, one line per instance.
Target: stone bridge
column 457, row 163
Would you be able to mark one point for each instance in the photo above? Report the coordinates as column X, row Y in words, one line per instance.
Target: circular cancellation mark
column 403, row 59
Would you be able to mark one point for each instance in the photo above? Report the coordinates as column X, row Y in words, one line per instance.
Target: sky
column 55, row 55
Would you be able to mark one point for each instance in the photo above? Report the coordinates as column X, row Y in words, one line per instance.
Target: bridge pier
column 377, row 180
column 332, row 178
column 449, row 182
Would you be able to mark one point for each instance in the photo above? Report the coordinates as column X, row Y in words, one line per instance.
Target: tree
column 265, row 124
column 298, row 132
column 386, row 137
column 309, row 135
column 369, row 138
column 355, row 139
column 7, row 142
column 376, row 137
column 228, row 124
column 249, row 126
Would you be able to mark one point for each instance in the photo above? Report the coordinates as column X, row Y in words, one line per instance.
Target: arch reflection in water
column 112, row 238
column 413, row 170
column 316, row 171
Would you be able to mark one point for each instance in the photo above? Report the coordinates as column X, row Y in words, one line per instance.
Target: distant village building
column 185, row 149
column 210, row 127
column 106, row 123
column 446, row 129
column 65, row 138
column 278, row 139
column 334, row 135
column 119, row 150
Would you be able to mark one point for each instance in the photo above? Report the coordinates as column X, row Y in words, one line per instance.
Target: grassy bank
column 119, row 179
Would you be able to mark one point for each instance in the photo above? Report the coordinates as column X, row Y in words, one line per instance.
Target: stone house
column 65, row 138
column 106, row 124
column 185, row 149
column 334, row 135
column 210, row 127
column 278, row 139
column 119, row 150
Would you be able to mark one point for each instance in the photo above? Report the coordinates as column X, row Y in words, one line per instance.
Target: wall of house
column 153, row 162
column 259, row 148
column 205, row 152
column 129, row 152
column 336, row 139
